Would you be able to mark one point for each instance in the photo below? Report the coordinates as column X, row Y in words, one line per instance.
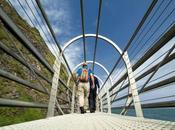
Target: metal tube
column 163, row 104
column 160, row 43
column 97, row 31
column 83, row 32
column 133, row 36
column 170, row 58
column 16, row 103
column 21, row 37
column 53, row 34
column 21, row 81
column 18, row 58
column 151, row 87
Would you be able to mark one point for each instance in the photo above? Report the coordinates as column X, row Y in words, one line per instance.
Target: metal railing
column 10, row 28
column 126, row 84
column 119, row 92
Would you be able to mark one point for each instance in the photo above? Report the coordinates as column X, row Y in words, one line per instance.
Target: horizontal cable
column 21, row 37
column 154, row 80
column 21, row 81
column 151, row 63
column 152, row 87
column 154, row 32
column 163, row 104
column 133, row 36
column 17, row 103
column 26, row 13
column 166, row 37
column 150, row 70
column 150, row 28
column 38, row 23
column 152, row 99
column 54, row 37
column 146, row 25
column 143, row 30
column 150, row 77
column 30, row 67
column 24, row 104
column 19, row 59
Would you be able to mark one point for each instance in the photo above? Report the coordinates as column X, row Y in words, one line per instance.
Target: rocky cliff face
column 16, row 91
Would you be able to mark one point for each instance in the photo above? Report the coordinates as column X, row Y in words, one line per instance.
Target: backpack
column 84, row 75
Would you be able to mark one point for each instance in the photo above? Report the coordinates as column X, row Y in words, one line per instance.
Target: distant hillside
column 13, row 90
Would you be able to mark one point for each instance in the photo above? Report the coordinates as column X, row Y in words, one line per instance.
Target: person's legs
column 92, row 102
column 81, row 97
column 86, row 95
column 91, row 106
column 94, row 98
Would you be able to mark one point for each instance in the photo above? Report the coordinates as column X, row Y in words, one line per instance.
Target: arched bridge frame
column 132, row 87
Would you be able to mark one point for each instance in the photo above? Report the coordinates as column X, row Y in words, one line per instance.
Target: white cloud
column 74, row 54
column 59, row 14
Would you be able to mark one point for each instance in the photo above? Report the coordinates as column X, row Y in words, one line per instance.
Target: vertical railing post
column 108, row 100
column 132, row 87
column 73, row 99
column 101, row 104
column 101, row 101
column 53, row 93
column 73, row 94
column 97, row 104
column 68, row 84
column 129, row 99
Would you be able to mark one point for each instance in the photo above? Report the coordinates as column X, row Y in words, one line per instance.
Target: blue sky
column 119, row 19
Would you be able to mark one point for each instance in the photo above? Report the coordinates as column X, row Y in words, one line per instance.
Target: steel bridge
column 111, row 87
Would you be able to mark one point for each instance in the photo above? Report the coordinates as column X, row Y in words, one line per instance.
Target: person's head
column 84, row 65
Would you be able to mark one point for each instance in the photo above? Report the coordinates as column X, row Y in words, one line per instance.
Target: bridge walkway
column 95, row 121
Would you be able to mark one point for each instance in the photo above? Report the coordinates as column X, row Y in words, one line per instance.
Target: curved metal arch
column 97, row 63
column 92, row 35
column 126, row 60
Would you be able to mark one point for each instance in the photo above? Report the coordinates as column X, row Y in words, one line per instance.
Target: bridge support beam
column 101, row 104
column 68, row 93
column 73, row 94
column 108, row 101
column 73, row 99
column 132, row 88
column 53, row 93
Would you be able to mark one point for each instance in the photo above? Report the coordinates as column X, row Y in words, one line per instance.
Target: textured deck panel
column 97, row 121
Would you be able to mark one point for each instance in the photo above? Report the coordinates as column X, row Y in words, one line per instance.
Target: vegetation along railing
column 37, row 84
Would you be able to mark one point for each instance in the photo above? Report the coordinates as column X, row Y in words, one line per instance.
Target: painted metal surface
column 96, row 121
column 54, row 88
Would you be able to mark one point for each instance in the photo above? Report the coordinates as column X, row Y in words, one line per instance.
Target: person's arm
column 97, row 83
column 78, row 75
column 92, row 79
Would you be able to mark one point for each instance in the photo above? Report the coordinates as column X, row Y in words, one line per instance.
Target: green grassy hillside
column 13, row 90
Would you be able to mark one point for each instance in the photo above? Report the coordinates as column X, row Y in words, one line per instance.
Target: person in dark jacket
column 93, row 94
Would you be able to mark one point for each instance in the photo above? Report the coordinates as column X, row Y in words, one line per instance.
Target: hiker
column 93, row 94
column 84, row 75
